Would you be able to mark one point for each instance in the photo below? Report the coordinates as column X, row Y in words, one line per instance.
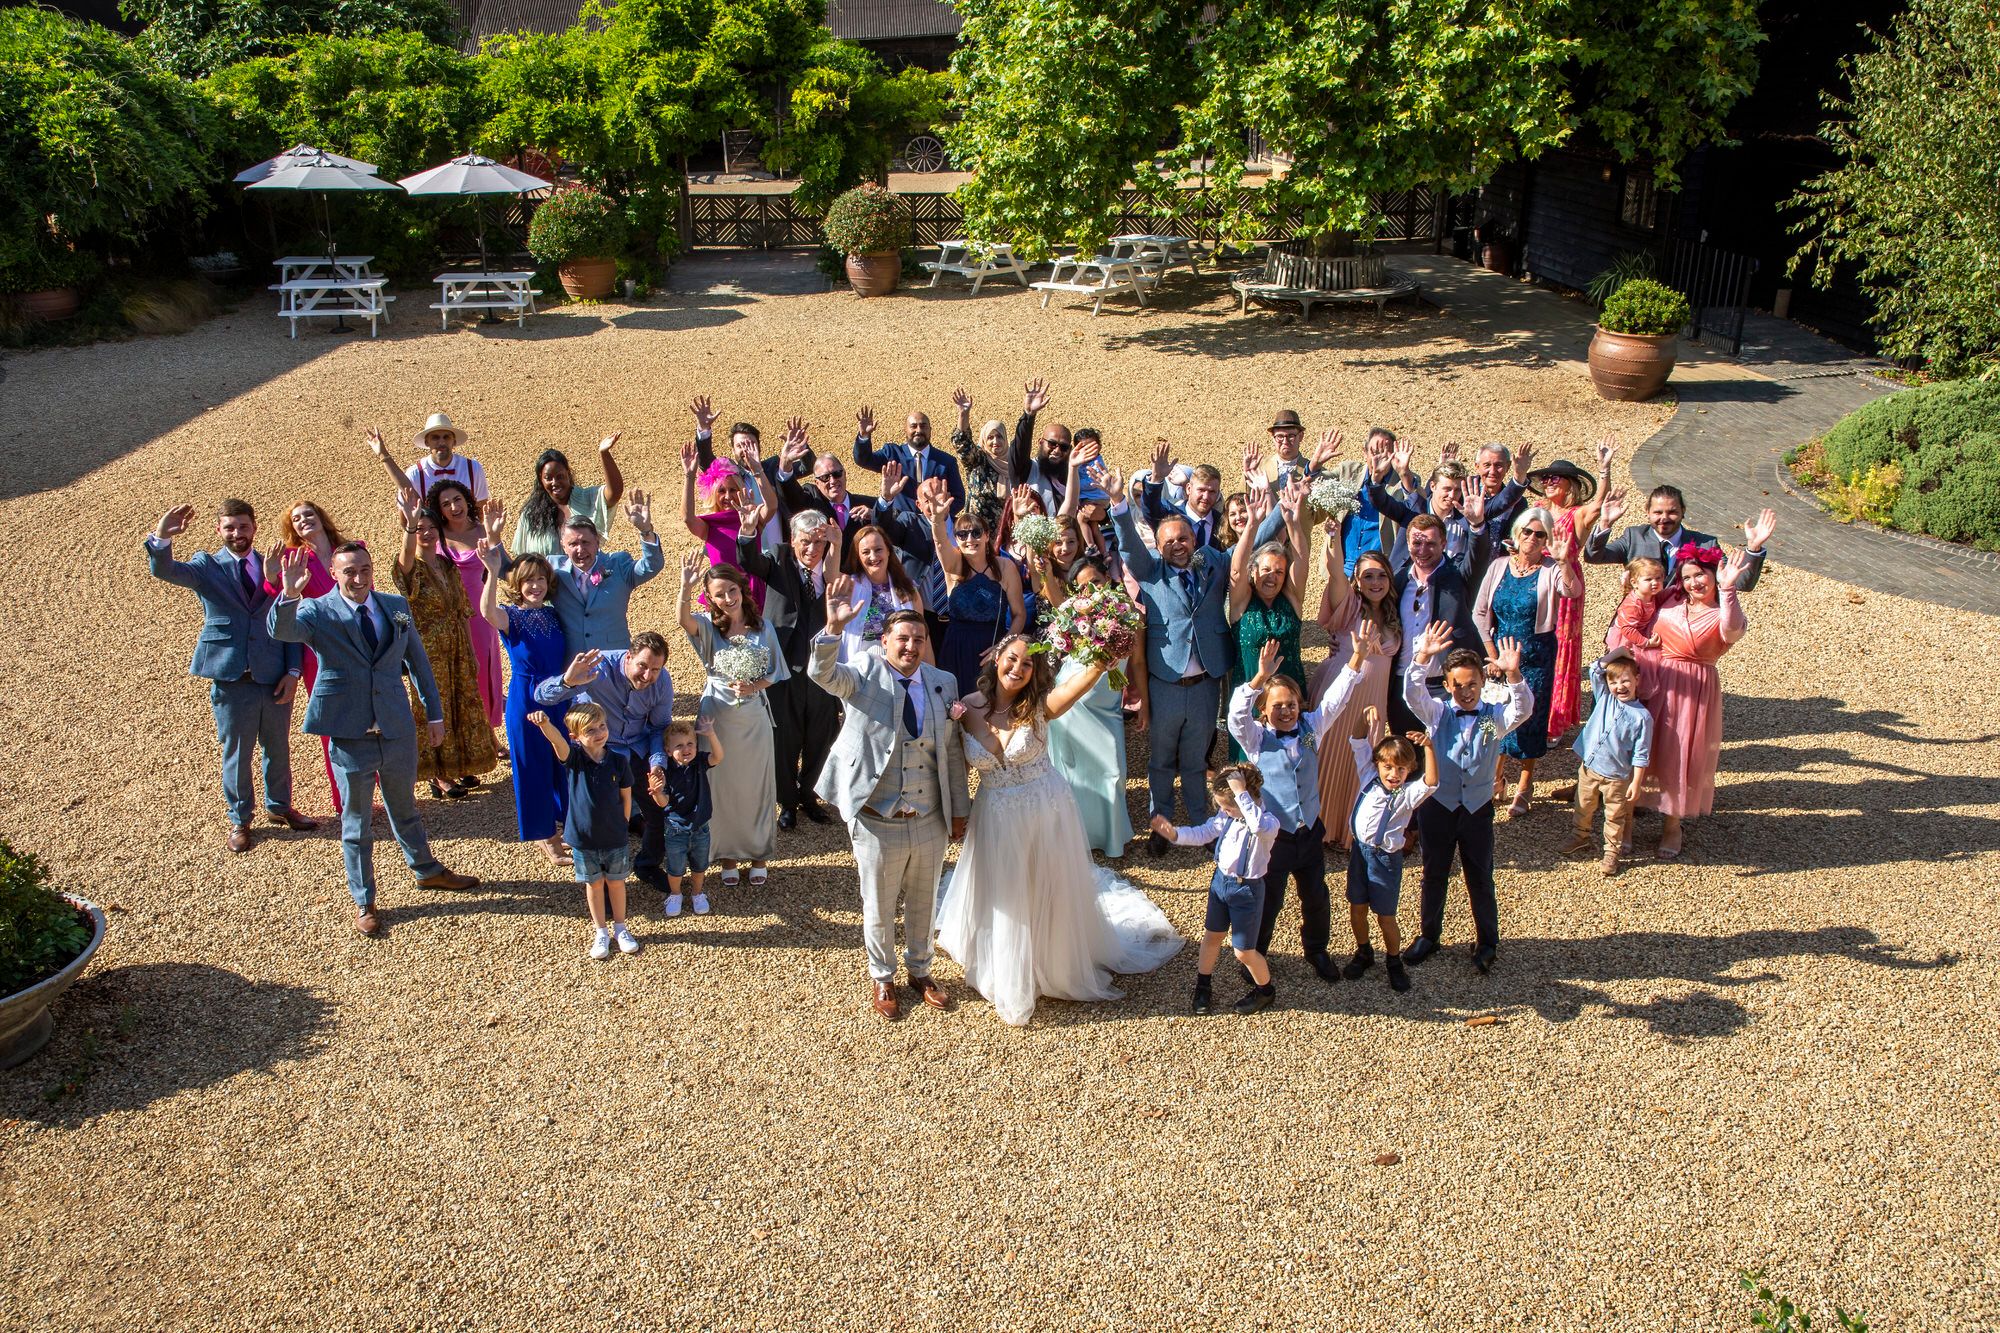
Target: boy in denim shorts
column 681, row 789
column 1243, row 832
column 600, row 807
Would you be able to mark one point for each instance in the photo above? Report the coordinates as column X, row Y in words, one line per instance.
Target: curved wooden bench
column 1400, row 284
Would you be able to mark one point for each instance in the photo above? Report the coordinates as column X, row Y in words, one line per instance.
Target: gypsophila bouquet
column 741, row 659
column 1099, row 624
column 1334, row 496
column 1036, row 532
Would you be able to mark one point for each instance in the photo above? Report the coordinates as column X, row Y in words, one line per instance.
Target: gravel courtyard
column 1778, row 1052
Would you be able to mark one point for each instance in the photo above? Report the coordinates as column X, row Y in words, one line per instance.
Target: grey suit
column 876, row 771
column 1640, row 541
column 359, row 703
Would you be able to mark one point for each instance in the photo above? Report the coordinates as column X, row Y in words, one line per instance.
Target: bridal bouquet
column 1333, row 496
column 1037, row 532
column 741, row 659
column 1099, row 624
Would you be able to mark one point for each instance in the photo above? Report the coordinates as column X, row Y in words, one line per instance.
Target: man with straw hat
column 441, row 460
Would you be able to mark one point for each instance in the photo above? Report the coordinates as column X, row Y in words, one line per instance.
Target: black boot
column 1204, row 997
column 1364, row 958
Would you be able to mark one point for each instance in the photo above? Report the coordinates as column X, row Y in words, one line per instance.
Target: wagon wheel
column 925, row 153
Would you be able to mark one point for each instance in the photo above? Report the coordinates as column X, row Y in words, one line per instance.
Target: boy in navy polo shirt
column 600, row 807
column 1242, row 831
column 681, row 789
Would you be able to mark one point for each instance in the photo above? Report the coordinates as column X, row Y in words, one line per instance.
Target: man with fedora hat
column 441, row 461
column 1360, row 531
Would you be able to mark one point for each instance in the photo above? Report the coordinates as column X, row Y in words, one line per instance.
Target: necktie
column 367, row 622
column 819, row 588
column 1186, row 577
column 840, row 515
column 1201, row 533
column 910, row 723
column 250, row 587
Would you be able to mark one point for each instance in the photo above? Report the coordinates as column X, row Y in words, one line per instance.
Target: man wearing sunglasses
column 1046, row 468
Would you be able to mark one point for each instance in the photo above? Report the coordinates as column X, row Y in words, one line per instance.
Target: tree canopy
column 1914, row 204
column 1064, row 101
column 194, row 38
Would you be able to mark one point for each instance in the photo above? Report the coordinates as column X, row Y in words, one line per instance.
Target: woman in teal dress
column 1266, row 588
column 1087, row 743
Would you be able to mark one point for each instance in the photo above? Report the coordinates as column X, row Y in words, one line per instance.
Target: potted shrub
column 870, row 226
column 581, row 232
column 1632, row 352
column 45, row 283
column 46, row 939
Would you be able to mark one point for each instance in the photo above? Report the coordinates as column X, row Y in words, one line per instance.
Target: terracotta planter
column 1631, row 367
column 56, row 303
column 591, row 279
column 24, row 1016
column 1497, row 256
column 874, row 274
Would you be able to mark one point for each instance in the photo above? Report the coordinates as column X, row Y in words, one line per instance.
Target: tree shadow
column 127, row 1037
column 1757, row 718
column 1209, row 327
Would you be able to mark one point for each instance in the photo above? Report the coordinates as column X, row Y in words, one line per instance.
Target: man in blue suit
column 920, row 459
column 593, row 587
column 252, row 676
column 366, row 643
column 1185, row 591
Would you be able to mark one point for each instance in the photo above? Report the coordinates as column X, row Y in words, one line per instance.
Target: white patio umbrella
column 473, row 175
column 324, row 175
column 297, row 155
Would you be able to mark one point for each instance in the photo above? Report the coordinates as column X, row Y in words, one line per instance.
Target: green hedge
column 1946, row 438
column 39, row 931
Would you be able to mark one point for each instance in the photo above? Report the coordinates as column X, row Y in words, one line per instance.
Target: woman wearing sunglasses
column 983, row 587
column 1519, row 599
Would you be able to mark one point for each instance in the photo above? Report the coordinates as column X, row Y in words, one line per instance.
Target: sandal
column 439, row 793
column 457, row 791
column 730, row 879
column 1519, row 807
column 759, row 876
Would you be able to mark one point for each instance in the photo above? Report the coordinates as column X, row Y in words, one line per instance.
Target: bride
column 1027, row 912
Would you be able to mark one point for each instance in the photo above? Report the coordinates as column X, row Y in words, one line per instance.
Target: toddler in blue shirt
column 1614, row 750
column 1243, row 832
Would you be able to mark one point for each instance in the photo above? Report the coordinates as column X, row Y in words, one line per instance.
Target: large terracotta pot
column 24, row 1016
column 590, row 279
column 1497, row 257
column 1631, row 367
column 56, row 303
column 874, row 274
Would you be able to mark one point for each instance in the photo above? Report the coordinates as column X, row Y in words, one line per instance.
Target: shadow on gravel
column 127, row 1037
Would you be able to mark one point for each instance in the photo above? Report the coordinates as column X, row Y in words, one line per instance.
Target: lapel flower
column 1486, row 728
column 596, row 577
column 1306, row 741
column 957, row 710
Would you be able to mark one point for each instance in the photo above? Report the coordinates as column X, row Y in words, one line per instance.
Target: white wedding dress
column 1027, row 913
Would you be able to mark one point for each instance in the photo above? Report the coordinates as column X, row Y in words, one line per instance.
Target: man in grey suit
column 592, row 591
column 897, row 776
column 366, row 643
column 1663, row 534
column 252, row 676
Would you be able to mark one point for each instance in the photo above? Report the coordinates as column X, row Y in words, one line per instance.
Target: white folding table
column 488, row 292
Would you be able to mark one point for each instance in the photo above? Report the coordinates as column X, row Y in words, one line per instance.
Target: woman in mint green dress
column 1087, row 743
column 1266, row 588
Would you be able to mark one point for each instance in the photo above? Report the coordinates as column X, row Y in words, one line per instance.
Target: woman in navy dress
column 533, row 638
column 983, row 588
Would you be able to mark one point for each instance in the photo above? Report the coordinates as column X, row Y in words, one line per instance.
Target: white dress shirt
column 1382, row 817
column 1416, row 612
column 372, row 611
column 1243, row 846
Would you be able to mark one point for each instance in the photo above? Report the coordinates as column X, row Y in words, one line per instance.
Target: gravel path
column 1779, row 1051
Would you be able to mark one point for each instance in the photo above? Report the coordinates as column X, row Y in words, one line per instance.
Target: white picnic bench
column 334, row 298
column 508, row 292
column 352, row 267
column 1096, row 277
column 1157, row 253
column 976, row 262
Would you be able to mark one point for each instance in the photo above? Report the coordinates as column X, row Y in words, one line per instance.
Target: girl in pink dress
column 1343, row 605
column 1696, row 627
column 307, row 527
column 1572, row 496
column 458, row 519
column 1638, row 607
column 727, row 499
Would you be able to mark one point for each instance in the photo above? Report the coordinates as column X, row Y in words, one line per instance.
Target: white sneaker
column 673, row 904
column 600, row 948
column 701, row 904
column 627, row 943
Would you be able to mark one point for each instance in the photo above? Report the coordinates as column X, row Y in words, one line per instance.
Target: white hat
column 439, row 421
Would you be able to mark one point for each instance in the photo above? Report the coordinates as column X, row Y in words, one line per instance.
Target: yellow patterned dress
column 438, row 605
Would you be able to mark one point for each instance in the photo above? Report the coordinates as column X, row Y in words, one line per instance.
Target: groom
column 897, row 776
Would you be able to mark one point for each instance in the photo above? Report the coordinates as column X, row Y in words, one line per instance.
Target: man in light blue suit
column 1185, row 592
column 366, row 643
column 593, row 587
column 252, row 676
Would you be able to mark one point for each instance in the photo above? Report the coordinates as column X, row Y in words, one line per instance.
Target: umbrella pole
column 332, row 254
column 484, row 267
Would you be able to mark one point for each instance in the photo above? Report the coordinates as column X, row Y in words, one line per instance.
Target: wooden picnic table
column 1097, row 277
column 334, row 298
column 979, row 263
column 508, row 292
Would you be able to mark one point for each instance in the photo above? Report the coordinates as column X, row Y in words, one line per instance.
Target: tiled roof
column 490, row 16
column 876, row 20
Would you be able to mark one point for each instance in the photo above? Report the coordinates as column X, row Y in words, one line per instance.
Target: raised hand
column 1758, row 530
column 961, row 400
column 893, row 481
column 1607, row 449
column 1083, row 454
column 704, row 726
column 934, row 497
column 1377, row 451
column 1473, row 501
column 1612, row 508
column 1400, row 455
column 609, row 442
column 1366, row 638
column 1292, row 498
column 690, row 458
column 795, row 447
column 491, row 555
column 375, row 445
column 704, row 414
column 1524, row 459
column 1269, row 654
column 1371, row 722
column 537, row 719
column 174, row 522
column 864, row 422
column 1418, row 738
column 691, row 566
column 840, row 607
column 639, row 509
column 1327, row 449
column 1508, row 658
column 1036, row 396
column 1253, row 463
column 1732, row 573
column 1448, row 455
column 745, row 455
column 581, row 667
column 1112, row 480
column 1436, row 637
column 1257, row 499
column 1163, row 460
column 492, row 516
column 1562, row 545
column 297, row 570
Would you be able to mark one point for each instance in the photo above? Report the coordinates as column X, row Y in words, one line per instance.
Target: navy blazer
column 1475, row 549
column 1174, row 625
column 1452, row 598
column 356, row 690
column 938, row 462
column 600, row 620
column 1152, row 494
column 234, row 641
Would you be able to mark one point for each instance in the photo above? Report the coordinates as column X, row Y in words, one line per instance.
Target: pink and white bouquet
column 1097, row 625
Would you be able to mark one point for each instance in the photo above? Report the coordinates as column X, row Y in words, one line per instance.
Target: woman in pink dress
column 1371, row 596
column 1571, row 496
column 1700, row 622
column 306, row 527
column 461, row 523
column 728, row 498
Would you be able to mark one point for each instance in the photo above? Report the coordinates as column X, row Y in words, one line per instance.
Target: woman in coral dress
column 308, row 528
column 1572, row 497
column 1370, row 596
column 1701, row 621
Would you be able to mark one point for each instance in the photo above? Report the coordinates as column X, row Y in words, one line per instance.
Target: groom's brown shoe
column 933, row 994
column 446, row 879
column 885, row 1002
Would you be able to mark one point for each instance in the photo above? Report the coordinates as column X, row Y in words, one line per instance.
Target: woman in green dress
column 1266, row 588
column 1087, row 743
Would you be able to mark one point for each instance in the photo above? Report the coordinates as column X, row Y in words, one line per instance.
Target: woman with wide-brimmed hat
column 1571, row 496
